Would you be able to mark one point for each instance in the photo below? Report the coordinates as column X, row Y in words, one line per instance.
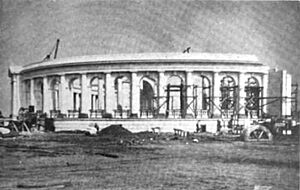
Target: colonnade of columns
column 109, row 104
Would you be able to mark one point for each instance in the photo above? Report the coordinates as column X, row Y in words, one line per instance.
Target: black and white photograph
column 149, row 94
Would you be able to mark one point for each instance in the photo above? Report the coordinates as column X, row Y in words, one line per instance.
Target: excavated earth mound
column 115, row 131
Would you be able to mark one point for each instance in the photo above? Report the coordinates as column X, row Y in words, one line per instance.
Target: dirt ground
column 77, row 161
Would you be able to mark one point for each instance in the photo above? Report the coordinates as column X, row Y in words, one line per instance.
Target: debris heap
column 115, row 131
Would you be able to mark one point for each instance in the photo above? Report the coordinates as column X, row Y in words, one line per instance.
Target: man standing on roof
column 1, row 116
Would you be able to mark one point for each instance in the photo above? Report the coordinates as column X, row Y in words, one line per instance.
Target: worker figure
column 97, row 127
column 198, row 129
column 1, row 116
column 230, row 125
column 230, row 122
column 120, row 110
column 219, row 126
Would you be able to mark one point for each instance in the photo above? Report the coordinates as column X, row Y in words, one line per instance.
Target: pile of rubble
column 115, row 131
column 123, row 136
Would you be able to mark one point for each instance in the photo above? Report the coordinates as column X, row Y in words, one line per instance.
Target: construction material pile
column 123, row 136
column 115, row 131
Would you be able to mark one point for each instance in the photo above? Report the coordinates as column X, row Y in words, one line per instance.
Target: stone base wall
column 138, row 125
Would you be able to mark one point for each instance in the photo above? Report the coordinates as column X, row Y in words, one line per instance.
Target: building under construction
column 142, row 91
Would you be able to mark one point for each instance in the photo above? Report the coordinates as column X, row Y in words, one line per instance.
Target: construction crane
column 54, row 49
column 187, row 50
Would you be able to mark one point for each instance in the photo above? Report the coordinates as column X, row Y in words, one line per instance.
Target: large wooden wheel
column 257, row 133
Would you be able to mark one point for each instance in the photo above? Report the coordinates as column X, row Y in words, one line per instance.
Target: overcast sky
column 29, row 29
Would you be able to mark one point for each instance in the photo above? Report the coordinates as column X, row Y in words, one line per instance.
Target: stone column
column 242, row 94
column 32, row 97
column 120, row 95
column 63, row 98
column 161, row 92
column 135, row 94
column 100, row 94
column 288, row 94
column 216, row 95
column 189, row 92
column 46, row 96
column 109, row 93
column 15, row 95
column 199, row 94
column 265, row 81
column 85, row 95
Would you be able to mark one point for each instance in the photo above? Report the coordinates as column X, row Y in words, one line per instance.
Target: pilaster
column 63, row 99
column 216, row 95
column 85, row 96
column 100, row 94
column 109, row 93
column 15, row 95
column 161, row 92
column 32, row 97
column 135, row 94
column 46, row 95
column 199, row 94
column 189, row 91
column 120, row 95
column 242, row 94
column 265, row 81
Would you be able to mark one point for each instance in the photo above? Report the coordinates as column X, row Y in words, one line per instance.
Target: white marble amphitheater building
column 141, row 91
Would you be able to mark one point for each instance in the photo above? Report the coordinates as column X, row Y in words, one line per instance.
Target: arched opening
column 97, row 97
column 146, row 100
column 253, row 91
column 202, row 93
column 122, row 93
column 97, row 94
column 75, row 88
column 206, row 93
column 38, row 95
column 176, row 97
column 27, row 92
column 54, row 87
column 228, row 95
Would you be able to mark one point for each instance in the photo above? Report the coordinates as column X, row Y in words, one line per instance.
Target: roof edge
column 166, row 57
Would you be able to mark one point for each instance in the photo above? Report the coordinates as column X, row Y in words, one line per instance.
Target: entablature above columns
column 154, row 72
column 103, row 68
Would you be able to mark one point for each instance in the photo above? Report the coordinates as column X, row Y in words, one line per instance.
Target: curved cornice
column 144, row 61
column 148, row 57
